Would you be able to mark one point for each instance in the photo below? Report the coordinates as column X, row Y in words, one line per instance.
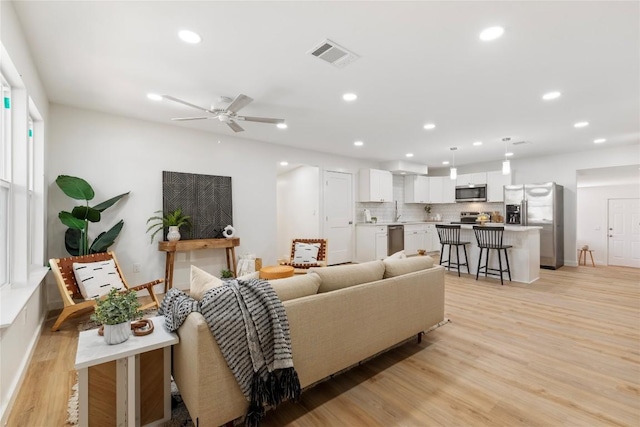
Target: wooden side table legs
column 582, row 257
column 168, row 270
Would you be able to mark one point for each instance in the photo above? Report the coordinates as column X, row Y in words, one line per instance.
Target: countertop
column 518, row 228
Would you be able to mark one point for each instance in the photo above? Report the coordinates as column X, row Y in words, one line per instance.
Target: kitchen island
column 524, row 256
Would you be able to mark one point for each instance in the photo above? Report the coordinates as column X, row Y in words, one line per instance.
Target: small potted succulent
column 226, row 274
column 173, row 220
column 115, row 311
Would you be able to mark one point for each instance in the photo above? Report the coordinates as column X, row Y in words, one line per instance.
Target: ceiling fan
column 227, row 115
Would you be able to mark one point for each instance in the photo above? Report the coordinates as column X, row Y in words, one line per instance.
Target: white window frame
column 6, row 181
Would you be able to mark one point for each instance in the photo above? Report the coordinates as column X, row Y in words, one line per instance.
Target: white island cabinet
column 524, row 255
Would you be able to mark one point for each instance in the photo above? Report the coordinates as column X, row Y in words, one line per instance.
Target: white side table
column 127, row 384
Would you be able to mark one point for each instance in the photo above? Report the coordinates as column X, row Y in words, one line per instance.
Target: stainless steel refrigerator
column 539, row 205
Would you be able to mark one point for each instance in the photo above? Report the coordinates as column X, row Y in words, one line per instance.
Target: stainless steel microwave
column 467, row 193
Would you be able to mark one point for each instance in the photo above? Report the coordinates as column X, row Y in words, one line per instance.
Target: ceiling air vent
column 333, row 53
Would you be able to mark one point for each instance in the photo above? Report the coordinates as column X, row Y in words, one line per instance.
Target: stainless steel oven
column 475, row 193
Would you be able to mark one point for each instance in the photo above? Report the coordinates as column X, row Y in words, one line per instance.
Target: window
column 5, row 180
column 31, row 198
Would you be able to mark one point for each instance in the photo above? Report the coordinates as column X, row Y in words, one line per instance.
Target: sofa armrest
column 207, row 386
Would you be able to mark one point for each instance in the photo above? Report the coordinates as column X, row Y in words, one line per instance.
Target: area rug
column 179, row 413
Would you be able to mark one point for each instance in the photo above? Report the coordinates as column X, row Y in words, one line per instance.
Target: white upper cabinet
column 495, row 185
column 375, row 186
column 442, row 189
column 416, row 189
column 472, row 178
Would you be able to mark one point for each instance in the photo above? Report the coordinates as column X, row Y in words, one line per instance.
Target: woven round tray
column 139, row 328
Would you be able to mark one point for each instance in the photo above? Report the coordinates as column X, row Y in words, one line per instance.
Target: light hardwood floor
column 563, row 351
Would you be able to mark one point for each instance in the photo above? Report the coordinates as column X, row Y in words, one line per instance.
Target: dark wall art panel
column 206, row 198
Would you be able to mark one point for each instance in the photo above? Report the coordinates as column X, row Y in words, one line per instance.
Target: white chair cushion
column 95, row 279
column 305, row 253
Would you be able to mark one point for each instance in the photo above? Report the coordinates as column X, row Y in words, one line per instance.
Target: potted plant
column 115, row 311
column 76, row 238
column 173, row 220
column 226, row 274
column 427, row 209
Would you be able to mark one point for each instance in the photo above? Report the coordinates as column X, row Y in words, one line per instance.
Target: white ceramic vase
column 174, row 233
column 116, row 334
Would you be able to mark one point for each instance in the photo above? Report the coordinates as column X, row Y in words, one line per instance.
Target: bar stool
column 450, row 235
column 491, row 238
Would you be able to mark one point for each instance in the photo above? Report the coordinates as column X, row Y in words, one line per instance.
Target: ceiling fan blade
column 188, row 104
column 233, row 125
column 181, row 119
column 240, row 102
column 260, row 119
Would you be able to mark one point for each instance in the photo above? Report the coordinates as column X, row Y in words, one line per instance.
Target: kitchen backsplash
column 415, row 212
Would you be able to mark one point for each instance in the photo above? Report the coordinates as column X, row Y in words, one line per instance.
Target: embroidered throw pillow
column 96, row 279
column 305, row 253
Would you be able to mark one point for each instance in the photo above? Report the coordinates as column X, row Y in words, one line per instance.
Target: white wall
column 298, row 207
column 18, row 341
column 116, row 154
column 593, row 208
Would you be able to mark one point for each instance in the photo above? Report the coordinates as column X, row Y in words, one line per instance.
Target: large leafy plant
column 76, row 238
column 171, row 219
column 117, row 307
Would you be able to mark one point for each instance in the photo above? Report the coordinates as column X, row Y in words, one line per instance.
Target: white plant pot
column 116, row 334
column 173, row 234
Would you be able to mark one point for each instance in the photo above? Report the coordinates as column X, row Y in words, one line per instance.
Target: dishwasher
column 395, row 239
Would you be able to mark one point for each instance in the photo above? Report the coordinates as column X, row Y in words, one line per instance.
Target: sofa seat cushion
column 398, row 267
column 344, row 276
column 298, row 286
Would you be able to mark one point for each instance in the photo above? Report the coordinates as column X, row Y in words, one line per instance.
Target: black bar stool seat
column 450, row 235
column 491, row 238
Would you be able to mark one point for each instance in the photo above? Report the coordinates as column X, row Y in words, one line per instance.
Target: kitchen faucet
column 397, row 217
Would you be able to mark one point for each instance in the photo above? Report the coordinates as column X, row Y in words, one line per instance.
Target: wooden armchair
column 74, row 303
column 320, row 259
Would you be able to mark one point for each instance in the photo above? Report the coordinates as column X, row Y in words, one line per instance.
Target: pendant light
column 453, row 172
column 506, row 164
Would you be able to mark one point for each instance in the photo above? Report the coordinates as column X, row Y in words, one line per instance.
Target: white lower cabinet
column 371, row 242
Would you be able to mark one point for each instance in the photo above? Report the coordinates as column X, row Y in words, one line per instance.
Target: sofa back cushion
column 398, row 267
column 344, row 276
column 298, row 286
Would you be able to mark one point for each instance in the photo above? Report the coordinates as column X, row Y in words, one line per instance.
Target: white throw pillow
column 305, row 253
column 397, row 255
column 96, row 279
column 201, row 282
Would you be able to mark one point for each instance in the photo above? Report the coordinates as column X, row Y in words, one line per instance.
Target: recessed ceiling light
column 477, row 143
column 551, row 95
column 429, row 126
column 409, row 154
column 581, row 124
column 349, row 96
column 491, row 33
column 599, row 140
column 189, row 36
column 403, row 173
column 508, row 154
column 358, row 143
column 282, row 126
column 446, row 162
column 284, row 163
column 154, row 97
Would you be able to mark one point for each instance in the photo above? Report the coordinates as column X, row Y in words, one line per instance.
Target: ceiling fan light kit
column 227, row 115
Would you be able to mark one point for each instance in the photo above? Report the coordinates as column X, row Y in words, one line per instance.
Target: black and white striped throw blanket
column 250, row 325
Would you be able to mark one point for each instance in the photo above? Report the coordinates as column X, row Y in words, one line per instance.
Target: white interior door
column 624, row 232
column 338, row 212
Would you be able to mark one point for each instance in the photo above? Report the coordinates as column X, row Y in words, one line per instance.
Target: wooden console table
column 191, row 245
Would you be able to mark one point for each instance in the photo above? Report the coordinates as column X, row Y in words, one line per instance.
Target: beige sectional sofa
column 338, row 316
